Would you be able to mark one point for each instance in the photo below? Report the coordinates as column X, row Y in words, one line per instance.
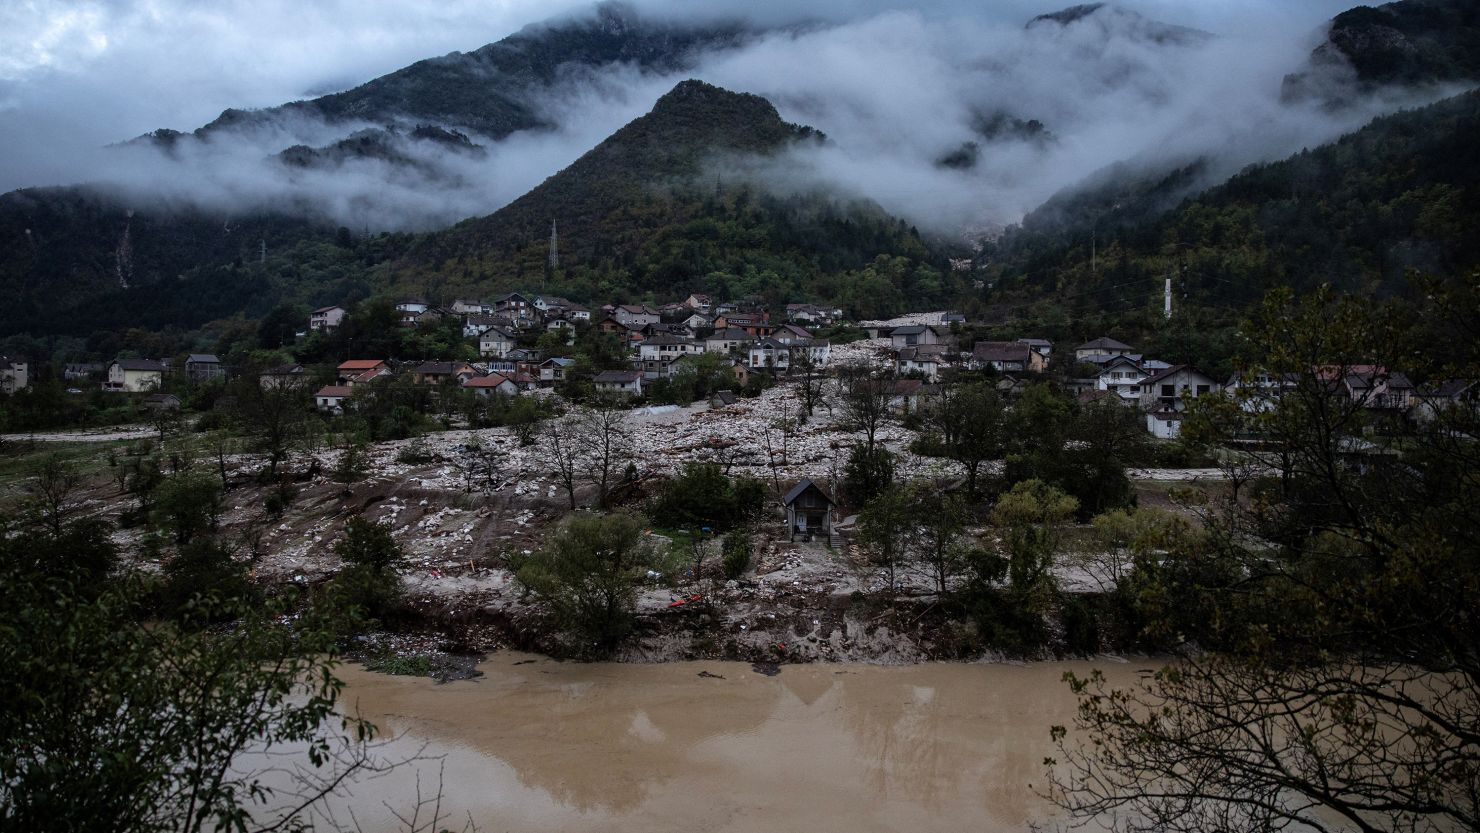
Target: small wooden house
column 809, row 512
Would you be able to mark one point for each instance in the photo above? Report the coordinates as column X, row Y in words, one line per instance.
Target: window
column 1202, row 389
column 1168, row 391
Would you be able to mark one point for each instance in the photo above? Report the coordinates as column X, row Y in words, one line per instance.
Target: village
column 790, row 401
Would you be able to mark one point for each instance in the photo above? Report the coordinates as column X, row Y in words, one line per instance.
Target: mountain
column 1400, row 194
column 494, row 91
column 1106, row 17
column 1412, row 42
column 667, row 204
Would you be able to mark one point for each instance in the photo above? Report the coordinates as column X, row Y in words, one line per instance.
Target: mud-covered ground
column 458, row 527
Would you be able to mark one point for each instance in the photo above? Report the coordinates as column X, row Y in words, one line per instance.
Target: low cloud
column 896, row 90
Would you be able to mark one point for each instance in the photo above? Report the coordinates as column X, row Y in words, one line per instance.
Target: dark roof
column 730, row 334
column 802, row 486
column 1176, row 368
column 326, row 309
column 1447, row 389
column 908, row 330
column 1104, row 343
column 284, row 370
column 201, row 358
column 622, row 376
column 141, row 364
column 1036, row 342
column 726, row 397
column 1001, row 351
column 925, row 352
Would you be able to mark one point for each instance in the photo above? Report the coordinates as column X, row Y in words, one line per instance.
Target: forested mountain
column 664, row 206
column 1408, row 42
column 494, row 90
column 1401, row 194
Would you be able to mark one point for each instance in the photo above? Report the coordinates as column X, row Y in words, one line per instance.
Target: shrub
column 867, row 474
column 736, row 553
column 203, row 569
column 701, row 495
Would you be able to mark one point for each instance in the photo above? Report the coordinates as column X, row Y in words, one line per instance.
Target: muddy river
column 539, row 745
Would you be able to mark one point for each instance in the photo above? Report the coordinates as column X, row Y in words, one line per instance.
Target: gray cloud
column 895, row 89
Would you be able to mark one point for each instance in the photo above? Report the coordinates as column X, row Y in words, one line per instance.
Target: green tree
column 116, row 723
column 1335, row 685
column 188, row 504
column 587, row 575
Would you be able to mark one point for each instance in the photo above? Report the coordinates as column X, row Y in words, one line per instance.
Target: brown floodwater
column 540, row 745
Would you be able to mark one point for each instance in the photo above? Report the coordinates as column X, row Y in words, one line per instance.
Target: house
column 756, row 324
column 409, row 309
column 770, row 354
column 330, row 398
column 817, row 350
column 349, row 372
column 697, row 321
column 1164, row 424
column 1171, row 389
column 1042, row 347
column 436, row 373
column 558, row 322
column 699, row 302
column 15, row 374
column 1439, row 399
column 554, row 369
column 523, row 381
column 162, row 402
column 789, row 333
column 912, row 335
column 1007, row 357
column 491, row 384
column 876, row 330
column 1102, row 346
column 282, row 376
column 1373, row 386
column 809, row 512
column 522, row 360
column 463, row 306
column 723, row 399
column 476, row 324
column 77, row 371
column 515, row 306
column 636, row 315
column 726, row 341
column 626, row 383
column 677, row 330
column 326, row 318
column 1258, row 390
column 1122, row 377
column 926, row 360
column 135, row 375
column 495, row 342
column 667, row 348
column 203, row 367
column 811, row 314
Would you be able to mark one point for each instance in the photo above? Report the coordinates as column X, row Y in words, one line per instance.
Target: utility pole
column 1167, row 299
column 554, row 247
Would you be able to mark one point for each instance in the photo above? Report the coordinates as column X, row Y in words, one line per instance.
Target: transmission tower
column 554, row 247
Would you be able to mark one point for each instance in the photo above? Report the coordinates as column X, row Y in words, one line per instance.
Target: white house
column 726, row 341
column 1122, row 377
column 636, row 315
column 926, row 359
column 913, row 335
column 326, row 318
column 619, row 382
column 667, row 348
column 1257, row 391
column 1102, row 346
column 1164, row 424
column 134, row 375
column 491, row 384
column 410, row 310
column 768, row 353
column 15, row 375
column 330, row 398
column 463, row 306
column 1173, row 388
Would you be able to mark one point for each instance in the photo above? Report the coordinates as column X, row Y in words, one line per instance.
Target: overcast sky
column 894, row 84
